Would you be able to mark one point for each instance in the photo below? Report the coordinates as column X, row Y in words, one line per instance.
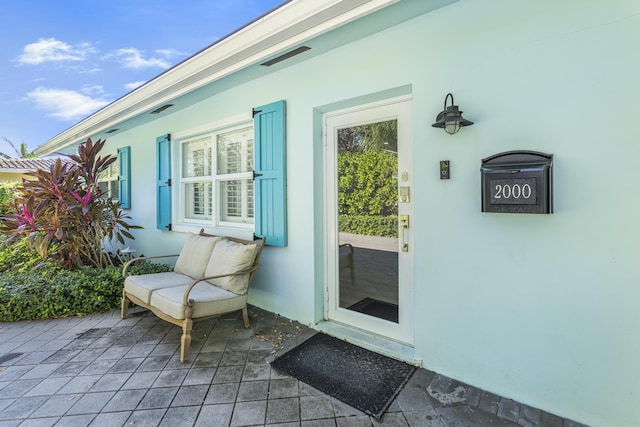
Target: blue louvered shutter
column 270, row 184
column 163, row 155
column 124, row 179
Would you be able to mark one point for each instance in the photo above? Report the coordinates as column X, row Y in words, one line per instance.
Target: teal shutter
column 163, row 156
column 270, row 183
column 124, row 180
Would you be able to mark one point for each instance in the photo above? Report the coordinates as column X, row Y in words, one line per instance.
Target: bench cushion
column 143, row 285
column 195, row 254
column 230, row 257
column 209, row 300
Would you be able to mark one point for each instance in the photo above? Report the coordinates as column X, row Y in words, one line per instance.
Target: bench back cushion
column 195, row 255
column 231, row 257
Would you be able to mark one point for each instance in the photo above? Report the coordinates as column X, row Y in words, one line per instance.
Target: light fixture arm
column 445, row 101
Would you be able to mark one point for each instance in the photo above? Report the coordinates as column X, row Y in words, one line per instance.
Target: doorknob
column 404, row 224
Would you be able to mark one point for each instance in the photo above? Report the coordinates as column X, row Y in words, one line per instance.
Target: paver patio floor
column 103, row 371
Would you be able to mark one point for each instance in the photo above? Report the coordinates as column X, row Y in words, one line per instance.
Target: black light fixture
column 450, row 119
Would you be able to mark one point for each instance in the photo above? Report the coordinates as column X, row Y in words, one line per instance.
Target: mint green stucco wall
column 539, row 308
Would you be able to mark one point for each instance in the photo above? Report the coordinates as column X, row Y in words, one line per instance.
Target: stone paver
column 103, row 371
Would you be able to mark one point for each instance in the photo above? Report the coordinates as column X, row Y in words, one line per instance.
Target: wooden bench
column 211, row 277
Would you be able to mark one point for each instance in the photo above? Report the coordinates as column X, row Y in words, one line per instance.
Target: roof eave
column 283, row 28
column 17, row 171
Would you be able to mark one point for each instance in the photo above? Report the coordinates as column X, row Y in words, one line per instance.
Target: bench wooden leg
column 185, row 340
column 124, row 306
column 245, row 317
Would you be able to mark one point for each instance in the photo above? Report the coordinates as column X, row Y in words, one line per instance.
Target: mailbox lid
column 517, row 160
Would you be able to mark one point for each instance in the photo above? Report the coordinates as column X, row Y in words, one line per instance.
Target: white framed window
column 108, row 182
column 216, row 178
column 205, row 176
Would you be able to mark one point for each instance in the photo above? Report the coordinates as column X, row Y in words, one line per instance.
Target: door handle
column 404, row 224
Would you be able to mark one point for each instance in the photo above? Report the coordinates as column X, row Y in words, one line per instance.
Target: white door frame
column 399, row 109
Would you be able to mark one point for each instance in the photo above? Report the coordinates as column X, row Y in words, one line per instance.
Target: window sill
column 239, row 233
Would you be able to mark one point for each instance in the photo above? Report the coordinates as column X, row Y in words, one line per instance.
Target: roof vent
column 287, row 55
column 161, row 109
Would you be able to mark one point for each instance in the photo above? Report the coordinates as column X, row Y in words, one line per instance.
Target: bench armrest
column 129, row 263
column 187, row 301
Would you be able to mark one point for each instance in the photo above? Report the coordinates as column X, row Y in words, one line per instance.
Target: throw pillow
column 231, row 257
column 195, row 255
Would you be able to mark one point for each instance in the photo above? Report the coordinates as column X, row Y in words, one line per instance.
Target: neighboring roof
column 305, row 28
column 25, row 165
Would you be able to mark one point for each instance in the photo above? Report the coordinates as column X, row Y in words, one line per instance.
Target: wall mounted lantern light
column 450, row 119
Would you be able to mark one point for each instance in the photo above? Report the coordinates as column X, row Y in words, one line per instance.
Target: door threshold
column 375, row 343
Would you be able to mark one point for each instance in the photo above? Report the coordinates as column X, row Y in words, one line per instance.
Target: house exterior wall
column 10, row 177
column 539, row 308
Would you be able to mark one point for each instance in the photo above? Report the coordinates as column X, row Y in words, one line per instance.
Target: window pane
column 104, row 188
column 114, row 190
column 197, row 197
column 249, row 200
column 236, row 204
column 113, row 170
column 110, row 172
column 196, row 158
column 235, row 151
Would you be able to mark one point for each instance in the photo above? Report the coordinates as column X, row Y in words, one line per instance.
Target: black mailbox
column 517, row 182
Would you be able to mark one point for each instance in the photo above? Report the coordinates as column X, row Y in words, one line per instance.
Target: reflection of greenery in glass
column 382, row 136
column 367, row 183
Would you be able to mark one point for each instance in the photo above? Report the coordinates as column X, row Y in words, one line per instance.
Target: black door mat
column 376, row 308
column 363, row 379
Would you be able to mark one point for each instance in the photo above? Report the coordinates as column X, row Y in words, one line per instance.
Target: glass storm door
column 369, row 260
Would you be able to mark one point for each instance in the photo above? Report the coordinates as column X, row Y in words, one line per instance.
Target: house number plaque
column 517, row 182
column 514, row 191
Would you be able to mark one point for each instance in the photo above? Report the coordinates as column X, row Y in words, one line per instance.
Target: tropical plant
column 22, row 152
column 63, row 214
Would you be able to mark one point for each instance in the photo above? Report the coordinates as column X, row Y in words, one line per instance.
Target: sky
column 62, row 60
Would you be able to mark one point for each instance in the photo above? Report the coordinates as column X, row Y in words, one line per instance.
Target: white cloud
column 52, row 50
column 133, row 58
column 170, row 53
column 92, row 90
column 134, row 85
column 65, row 104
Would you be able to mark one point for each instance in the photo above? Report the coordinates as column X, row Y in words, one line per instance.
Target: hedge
column 49, row 291
column 386, row 226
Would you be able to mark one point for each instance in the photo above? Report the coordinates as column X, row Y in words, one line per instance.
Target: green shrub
column 368, row 193
column 49, row 291
column 386, row 226
column 20, row 257
column 33, row 289
column 367, row 184
column 7, row 196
